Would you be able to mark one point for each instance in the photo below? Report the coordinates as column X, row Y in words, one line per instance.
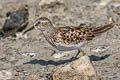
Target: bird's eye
column 72, row 30
column 38, row 22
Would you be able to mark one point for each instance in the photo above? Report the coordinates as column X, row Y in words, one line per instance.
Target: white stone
column 43, row 2
column 20, row 35
column 63, row 54
column 100, row 48
column 29, row 54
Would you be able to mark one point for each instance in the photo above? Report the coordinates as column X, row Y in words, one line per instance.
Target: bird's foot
column 83, row 53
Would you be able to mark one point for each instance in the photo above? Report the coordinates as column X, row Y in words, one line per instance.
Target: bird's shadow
column 49, row 62
column 59, row 62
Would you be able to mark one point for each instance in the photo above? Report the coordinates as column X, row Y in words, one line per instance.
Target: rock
column 81, row 69
column 43, row 2
column 60, row 55
column 63, row 54
column 29, row 54
column 20, row 35
column 16, row 21
column 100, row 48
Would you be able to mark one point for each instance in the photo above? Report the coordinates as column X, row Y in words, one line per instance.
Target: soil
column 31, row 58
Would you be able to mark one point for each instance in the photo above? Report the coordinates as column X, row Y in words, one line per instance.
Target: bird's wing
column 74, row 35
column 91, row 32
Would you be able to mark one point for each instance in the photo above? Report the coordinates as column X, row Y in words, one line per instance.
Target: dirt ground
column 19, row 64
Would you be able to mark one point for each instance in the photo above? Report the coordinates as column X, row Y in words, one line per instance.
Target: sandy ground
column 21, row 66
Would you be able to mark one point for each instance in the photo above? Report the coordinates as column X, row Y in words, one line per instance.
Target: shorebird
column 16, row 21
column 68, row 38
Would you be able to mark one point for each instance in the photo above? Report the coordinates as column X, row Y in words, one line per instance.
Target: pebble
column 29, row 54
column 64, row 54
column 100, row 48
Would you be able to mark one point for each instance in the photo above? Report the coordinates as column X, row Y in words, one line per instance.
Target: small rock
column 63, row 54
column 20, row 35
column 43, row 2
column 5, row 75
column 100, row 48
column 81, row 69
column 29, row 54
column 60, row 55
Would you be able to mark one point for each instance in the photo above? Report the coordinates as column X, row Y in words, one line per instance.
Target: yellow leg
column 77, row 53
column 83, row 53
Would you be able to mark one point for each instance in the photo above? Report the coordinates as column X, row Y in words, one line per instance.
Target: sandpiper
column 68, row 38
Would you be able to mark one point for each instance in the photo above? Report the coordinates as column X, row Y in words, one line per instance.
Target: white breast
column 66, row 47
column 69, row 47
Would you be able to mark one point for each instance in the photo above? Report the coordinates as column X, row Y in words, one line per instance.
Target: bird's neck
column 47, row 30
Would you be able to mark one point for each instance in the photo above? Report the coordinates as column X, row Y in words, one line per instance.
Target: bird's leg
column 74, row 58
column 83, row 53
column 77, row 53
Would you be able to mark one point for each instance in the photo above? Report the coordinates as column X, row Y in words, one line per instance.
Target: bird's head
column 43, row 24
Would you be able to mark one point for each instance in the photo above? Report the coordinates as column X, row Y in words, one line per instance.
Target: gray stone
column 81, row 69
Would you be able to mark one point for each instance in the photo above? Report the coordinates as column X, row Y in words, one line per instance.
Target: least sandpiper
column 16, row 21
column 68, row 38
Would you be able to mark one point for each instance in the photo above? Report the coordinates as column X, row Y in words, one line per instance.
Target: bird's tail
column 102, row 29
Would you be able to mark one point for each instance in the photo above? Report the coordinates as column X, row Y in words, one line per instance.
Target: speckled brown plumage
column 75, row 35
